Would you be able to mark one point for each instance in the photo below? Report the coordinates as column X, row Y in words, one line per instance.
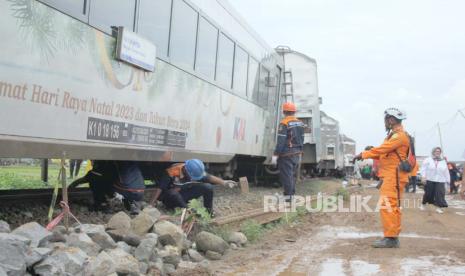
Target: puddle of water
column 363, row 268
column 354, row 233
column 454, row 203
column 431, row 265
column 332, row 267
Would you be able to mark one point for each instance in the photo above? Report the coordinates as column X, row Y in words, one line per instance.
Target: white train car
column 301, row 87
column 211, row 90
column 348, row 147
column 332, row 156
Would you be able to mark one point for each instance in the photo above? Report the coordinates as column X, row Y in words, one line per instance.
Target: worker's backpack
column 409, row 163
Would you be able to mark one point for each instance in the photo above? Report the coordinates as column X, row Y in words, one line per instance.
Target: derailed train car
column 300, row 86
column 338, row 149
column 191, row 80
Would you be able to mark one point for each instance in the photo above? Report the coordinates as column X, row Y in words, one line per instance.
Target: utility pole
column 440, row 138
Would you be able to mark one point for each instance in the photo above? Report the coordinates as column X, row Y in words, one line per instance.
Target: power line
column 461, row 112
column 450, row 120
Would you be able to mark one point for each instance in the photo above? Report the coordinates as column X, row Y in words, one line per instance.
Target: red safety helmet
column 289, row 107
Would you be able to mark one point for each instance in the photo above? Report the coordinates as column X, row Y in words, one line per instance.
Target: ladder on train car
column 288, row 83
column 288, row 87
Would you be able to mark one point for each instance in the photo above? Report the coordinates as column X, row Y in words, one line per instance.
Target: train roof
column 327, row 120
column 346, row 139
column 287, row 50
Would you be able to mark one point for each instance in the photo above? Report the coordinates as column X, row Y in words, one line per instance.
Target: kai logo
column 239, row 129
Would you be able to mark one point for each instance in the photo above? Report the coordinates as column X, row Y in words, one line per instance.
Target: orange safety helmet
column 289, row 107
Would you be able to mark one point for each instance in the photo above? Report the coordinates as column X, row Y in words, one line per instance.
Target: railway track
column 235, row 221
column 8, row 197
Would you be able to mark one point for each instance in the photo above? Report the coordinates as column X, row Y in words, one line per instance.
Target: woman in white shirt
column 434, row 170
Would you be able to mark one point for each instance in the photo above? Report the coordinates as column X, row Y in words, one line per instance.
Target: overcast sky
column 375, row 54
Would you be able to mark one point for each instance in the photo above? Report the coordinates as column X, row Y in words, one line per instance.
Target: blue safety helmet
column 195, row 169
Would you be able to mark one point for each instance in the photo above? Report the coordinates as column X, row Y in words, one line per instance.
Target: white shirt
column 436, row 171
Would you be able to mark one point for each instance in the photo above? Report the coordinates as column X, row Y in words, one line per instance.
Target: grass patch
column 28, row 177
column 203, row 216
column 252, row 230
column 343, row 192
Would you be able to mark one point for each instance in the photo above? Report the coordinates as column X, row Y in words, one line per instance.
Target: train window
column 252, row 91
column 330, row 150
column 104, row 14
column 206, row 49
column 308, row 124
column 154, row 23
column 241, row 62
column 183, row 34
column 224, row 64
column 263, row 87
column 74, row 8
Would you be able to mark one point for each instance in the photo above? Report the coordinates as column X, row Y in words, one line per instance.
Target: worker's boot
column 131, row 206
column 386, row 243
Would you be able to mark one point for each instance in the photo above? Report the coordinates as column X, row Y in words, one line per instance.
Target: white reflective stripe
column 282, row 135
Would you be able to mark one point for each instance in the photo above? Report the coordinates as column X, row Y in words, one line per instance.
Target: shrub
column 252, row 230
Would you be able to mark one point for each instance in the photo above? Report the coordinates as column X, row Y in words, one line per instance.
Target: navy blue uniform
column 174, row 196
column 289, row 148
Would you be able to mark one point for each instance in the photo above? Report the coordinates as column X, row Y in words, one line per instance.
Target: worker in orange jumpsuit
column 394, row 149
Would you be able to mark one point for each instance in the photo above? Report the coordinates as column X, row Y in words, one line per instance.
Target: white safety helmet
column 395, row 112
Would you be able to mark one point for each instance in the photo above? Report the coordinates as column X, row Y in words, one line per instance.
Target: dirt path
column 339, row 244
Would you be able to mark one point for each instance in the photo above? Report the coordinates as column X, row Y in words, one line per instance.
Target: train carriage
column 211, row 93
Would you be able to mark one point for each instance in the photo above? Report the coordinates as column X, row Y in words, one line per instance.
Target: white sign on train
column 133, row 49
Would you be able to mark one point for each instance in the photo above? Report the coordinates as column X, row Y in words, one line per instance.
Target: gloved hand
column 274, row 160
column 357, row 157
column 230, row 183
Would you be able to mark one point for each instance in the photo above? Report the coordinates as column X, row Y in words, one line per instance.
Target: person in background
column 74, row 167
column 412, row 180
column 435, row 173
column 289, row 148
column 182, row 182
column 366, row 171
column 454, row 176
column 375, row 170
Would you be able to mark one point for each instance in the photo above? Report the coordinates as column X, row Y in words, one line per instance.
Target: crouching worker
column 130, row 184
column 182, row 182
column 100, row 178
column 108, row 177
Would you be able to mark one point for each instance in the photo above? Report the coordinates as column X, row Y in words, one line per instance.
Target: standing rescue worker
column 289, row 148
column 394, row 149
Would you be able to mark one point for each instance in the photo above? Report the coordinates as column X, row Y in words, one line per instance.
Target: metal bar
column 64, row 189
column 44, row 170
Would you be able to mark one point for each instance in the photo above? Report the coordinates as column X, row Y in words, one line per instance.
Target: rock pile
column 143, row 245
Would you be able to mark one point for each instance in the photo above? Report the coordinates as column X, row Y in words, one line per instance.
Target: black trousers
column 74, row 167
column 453, row 188
column 435, row 193
column 288, row 166
column 100, row 185
column 412, row 182
column 172, row 198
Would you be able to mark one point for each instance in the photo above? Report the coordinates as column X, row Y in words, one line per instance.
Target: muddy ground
column 340, row 244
